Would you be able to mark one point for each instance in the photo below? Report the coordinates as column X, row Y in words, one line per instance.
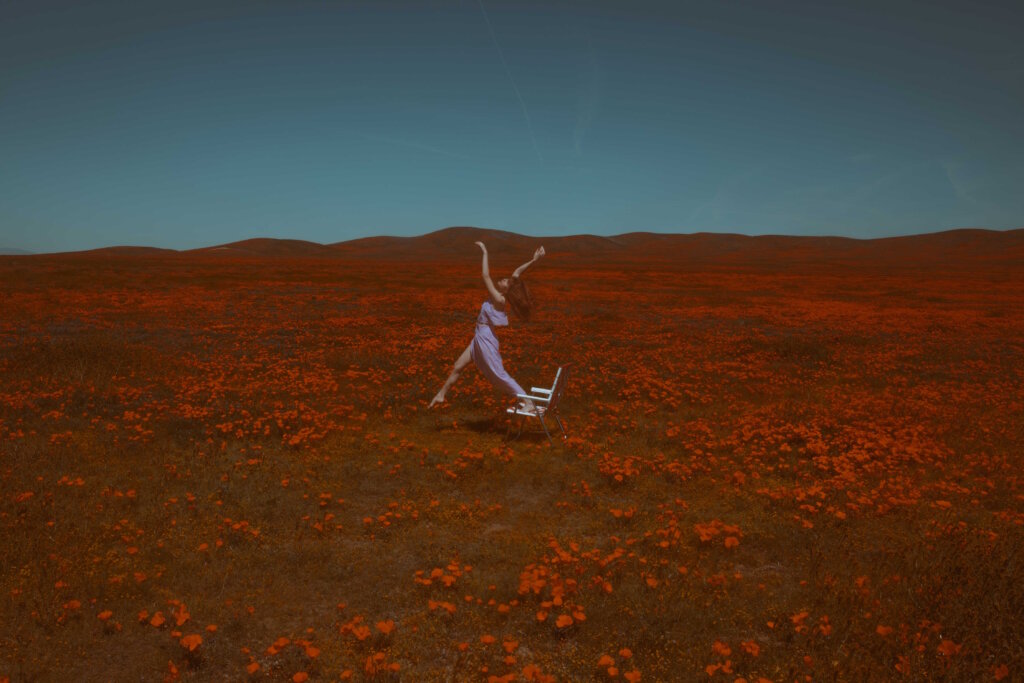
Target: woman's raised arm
column 495, row 294
column 536, row 257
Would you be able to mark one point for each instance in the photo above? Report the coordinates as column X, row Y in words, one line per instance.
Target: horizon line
column 15, row 251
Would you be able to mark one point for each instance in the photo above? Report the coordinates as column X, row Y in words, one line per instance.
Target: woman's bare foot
column 438, row 400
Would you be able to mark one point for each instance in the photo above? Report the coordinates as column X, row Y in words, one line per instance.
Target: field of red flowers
column 215, row 467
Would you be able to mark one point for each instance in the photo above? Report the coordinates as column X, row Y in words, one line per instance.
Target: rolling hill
column 456, row 244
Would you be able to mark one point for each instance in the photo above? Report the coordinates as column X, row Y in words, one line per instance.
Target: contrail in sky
column 414, row 145
column 508, row 73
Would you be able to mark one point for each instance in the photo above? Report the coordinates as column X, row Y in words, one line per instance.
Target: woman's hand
column 536, row 257
column 482, row 247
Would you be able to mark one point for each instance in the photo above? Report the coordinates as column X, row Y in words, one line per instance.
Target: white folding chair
column 545, row 403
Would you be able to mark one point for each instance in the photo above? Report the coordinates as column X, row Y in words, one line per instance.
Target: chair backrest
column 561, row 377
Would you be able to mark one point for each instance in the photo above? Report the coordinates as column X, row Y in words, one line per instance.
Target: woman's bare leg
column 460, row 363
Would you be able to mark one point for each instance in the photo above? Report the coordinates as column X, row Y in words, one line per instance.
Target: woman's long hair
column 519, row 298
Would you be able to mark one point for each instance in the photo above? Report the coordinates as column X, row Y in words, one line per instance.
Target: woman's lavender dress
column 484, row 349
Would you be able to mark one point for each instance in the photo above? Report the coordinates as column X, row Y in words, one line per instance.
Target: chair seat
column 516, row 410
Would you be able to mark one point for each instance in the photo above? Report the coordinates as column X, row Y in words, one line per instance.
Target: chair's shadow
column 496, row 425
column 484, row 425
column 474, row 423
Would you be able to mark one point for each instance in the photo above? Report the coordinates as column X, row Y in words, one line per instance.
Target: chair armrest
column 538, row 390
column 541, row 399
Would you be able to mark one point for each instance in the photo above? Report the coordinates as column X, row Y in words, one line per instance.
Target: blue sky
column 182, row 124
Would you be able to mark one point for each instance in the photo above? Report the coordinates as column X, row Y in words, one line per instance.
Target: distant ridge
column 14, row 252
column 268, row 246
column 457, row 244
column 126, row 250
column 454, row 243
column 701, row 247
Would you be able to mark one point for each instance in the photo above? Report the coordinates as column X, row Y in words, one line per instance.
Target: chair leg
column 520, row 422
column 518, row 433
column 508, row 432
column 560, row 426
column 546, row 432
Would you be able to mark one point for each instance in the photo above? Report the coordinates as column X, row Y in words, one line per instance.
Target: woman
column 483, row 350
